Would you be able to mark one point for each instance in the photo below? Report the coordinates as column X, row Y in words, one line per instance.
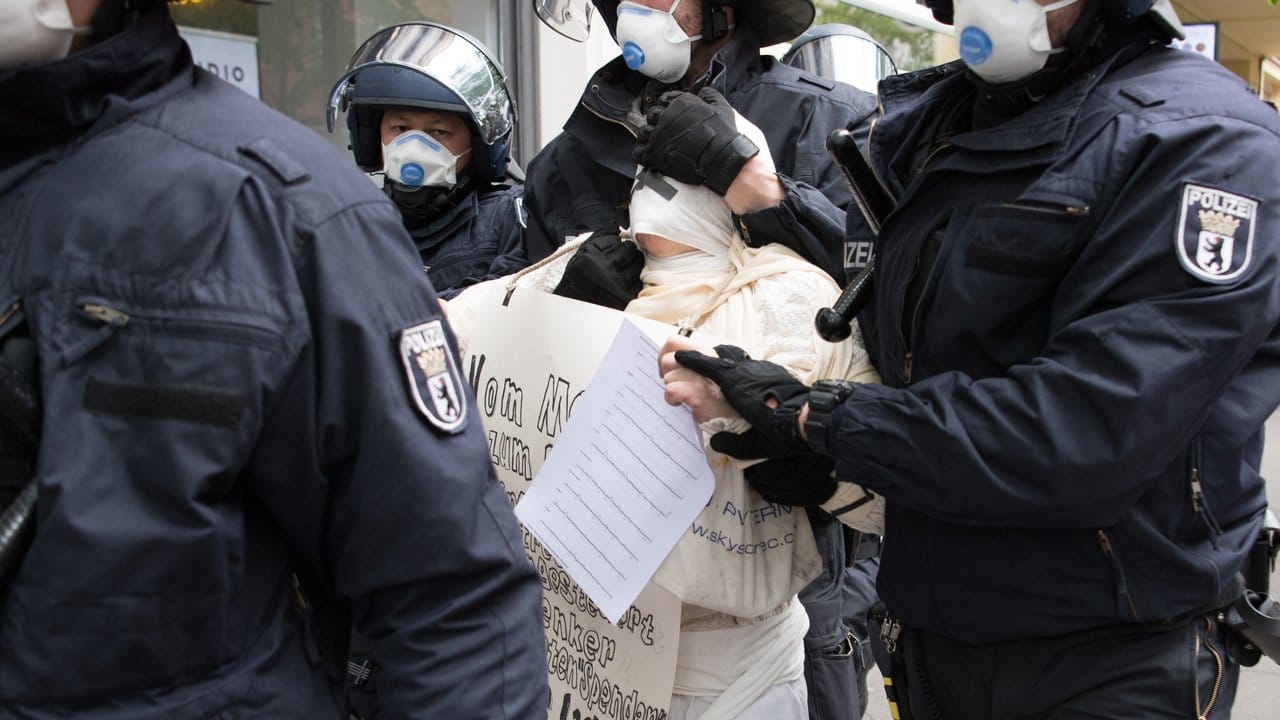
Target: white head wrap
column 692, row 215
column 684, row 286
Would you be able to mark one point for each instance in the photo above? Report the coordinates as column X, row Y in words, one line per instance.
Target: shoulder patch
column 266, row 152
column 1215, row 233
column 435, row 385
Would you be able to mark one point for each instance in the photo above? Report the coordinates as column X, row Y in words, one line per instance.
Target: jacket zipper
column 1203, row 714
column 1197, row 498
column 871, row 131
column 230, row 331
column 1122, row 583
column 908, row 362
column 933, row 154
column 1050, row 208
column 909, row 359
column 10, row 312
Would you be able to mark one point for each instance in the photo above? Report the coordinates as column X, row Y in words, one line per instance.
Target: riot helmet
column 772, row 21
column 1120, row 12
column 426, row 66
column 842, row 53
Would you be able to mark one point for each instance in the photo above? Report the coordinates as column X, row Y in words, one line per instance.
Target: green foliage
column 910, row 47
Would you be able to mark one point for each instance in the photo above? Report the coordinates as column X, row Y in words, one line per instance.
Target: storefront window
column 304, row 45
column 1269, row 83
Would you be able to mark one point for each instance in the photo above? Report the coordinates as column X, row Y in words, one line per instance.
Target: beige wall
column 564, row 67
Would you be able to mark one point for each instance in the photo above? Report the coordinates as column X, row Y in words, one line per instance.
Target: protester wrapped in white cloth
column 741, row 651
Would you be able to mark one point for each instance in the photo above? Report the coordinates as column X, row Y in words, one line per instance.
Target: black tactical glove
column 604, row 271
column 747, row 385
column 802, row 480
column 694, row 139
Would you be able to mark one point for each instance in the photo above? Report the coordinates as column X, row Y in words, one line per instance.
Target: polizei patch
column 434, row 381
column 1215, row 233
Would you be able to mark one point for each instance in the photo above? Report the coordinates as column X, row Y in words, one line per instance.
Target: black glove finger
column 667, row 97
column 732, row 352
column 744, row 446
column 654, row 116
column 712, row 97
column 706, row 366
column 720, row 105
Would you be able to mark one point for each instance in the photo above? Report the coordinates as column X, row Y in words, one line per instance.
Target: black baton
column 875, row 203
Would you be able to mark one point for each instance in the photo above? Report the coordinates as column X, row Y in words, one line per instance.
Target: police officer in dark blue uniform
column 1076, row 317
column 443, row 145
column 253, row 419
column 668, row 104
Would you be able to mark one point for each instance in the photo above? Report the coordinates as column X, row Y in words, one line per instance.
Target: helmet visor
column 570, row 18
column 849, row 59
column 445, row 55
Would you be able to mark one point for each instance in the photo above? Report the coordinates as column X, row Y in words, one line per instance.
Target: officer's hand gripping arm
column 765, row 394
column 694, row 139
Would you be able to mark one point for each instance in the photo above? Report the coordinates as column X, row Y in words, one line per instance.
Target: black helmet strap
column 715, row 22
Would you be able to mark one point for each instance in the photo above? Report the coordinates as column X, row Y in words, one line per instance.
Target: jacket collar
column 51, row 103
column 446, row 225
column 911, row 101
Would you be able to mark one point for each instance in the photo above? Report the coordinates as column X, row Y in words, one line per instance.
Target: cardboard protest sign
column 528, row 362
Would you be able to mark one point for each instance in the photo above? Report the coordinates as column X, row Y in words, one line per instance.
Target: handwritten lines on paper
column 624, row 480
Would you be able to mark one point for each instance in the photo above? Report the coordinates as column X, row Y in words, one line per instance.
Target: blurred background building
column 290, row 53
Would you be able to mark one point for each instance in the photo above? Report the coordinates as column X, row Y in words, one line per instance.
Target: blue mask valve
column 634, row 56
column 412, row 175
column 975, row 46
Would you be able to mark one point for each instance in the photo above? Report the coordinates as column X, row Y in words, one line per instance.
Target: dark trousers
column 1181, row 670
column 837, row 654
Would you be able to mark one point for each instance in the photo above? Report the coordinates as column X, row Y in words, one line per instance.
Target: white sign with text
column 233, row 58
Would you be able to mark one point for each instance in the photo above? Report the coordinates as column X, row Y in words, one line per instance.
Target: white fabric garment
column 747, row 671
column 783, row 701
column 763, row 300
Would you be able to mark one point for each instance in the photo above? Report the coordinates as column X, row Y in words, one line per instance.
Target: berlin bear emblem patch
column 1215, row 233
column 434, row 381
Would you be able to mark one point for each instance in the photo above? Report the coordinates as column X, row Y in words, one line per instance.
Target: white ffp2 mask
column 413, row 159
column 1004, row 40
column 35, row 31
column 652, row 41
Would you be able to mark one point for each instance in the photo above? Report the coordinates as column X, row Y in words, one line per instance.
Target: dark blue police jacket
column 480, row 238
column 243, row 370
column 1077, row 321
column 582, row 179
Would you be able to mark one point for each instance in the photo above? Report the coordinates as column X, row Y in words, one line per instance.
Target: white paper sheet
column 623, row 482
